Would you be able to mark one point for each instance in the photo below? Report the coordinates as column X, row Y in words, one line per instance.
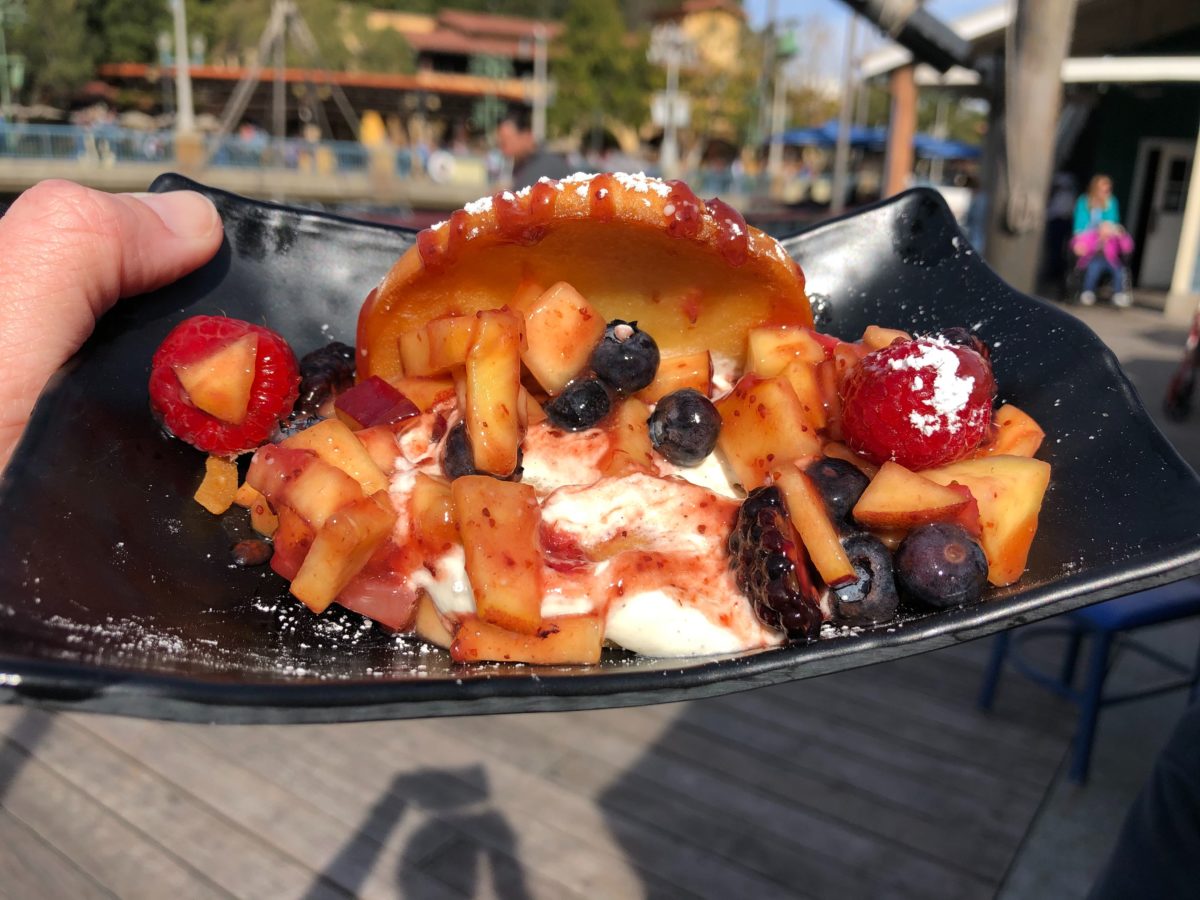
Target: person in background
column 69, row 254
column 1099, row 241
column 514, row 137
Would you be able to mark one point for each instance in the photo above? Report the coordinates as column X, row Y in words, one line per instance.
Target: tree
column 598, row 72
column 59, row 54
column 128, row 30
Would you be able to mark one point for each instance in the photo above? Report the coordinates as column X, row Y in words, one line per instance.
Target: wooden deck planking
column 879, row 782
column 442, row 788
column 31, row 868
column 713, row 811
column 112, row 853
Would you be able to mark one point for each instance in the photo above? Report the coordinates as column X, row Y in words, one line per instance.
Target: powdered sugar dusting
column 951, row 391
column 641, row 183
column 477, row 207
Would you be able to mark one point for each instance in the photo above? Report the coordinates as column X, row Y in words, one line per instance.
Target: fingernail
column 185, row 213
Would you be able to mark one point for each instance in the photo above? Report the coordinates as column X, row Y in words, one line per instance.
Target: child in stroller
column 1101, row 246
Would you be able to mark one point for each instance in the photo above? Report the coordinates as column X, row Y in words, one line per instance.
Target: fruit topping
column 561, row 329
column 626, row 358
column 459, row 460
column 939, row 565
column 840, row 484
column 872, row 598
column 694, row 370
column 223, row 360
column 218, row 490
column 251, row 552
column 684, row 427
column 771, row 568
column 963, row 337
column 920, row 403
column 324, row 373
column 582, row 404
column 763, row 424
column 373, row 402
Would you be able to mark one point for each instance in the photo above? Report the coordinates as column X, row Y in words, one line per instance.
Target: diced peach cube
column 296, row 479
column 692, row 370
column 425, row 391
column 220, row 485
column 1009, row 490
column 562, row 329
column 337, row 445
column 291, row 541
column 428, row 624
column 876, row 338
column 769, row 349
column 898, row 498
column 498, row 522
column 493, row 384
column 810, row 517
column 450, row 339
column 1017, row 434
column 763, row 426
column 629, row 433
column 562, row 640
column 220, row 384
column 414, row 352
column 802, row 376
column 433, row 514
column 372, row 402
column 341, row 548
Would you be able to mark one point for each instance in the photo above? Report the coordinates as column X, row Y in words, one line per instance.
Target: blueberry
column 941, row 565
column 771, row 569
column 872, row 598
column 840, row 483
column 582, row 404
column 458, row 458
column 684, row 427
column 626, row 357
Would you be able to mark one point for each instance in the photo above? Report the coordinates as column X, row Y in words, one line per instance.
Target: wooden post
column 902, row 128
column 1026, row 120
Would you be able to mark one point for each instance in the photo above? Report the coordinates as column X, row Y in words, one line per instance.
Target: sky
column 824, row 24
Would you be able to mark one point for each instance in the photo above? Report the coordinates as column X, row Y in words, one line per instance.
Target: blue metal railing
column 106, row 144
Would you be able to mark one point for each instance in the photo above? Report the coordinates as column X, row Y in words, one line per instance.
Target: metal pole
column 778, row 117
column 670, row 144
column 185, row 113
column 5, row 85
column 841, row 155
column 279, row 101
column 541, row 88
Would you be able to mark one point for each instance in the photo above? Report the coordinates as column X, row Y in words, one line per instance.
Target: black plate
column 116, row 591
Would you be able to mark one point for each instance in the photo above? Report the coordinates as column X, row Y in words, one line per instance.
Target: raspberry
column 272, row 393
column 922, row 403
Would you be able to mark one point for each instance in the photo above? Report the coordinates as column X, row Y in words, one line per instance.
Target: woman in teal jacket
column 1099, row 241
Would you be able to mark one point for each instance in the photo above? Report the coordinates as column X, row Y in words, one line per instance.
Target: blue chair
column 1105, row 624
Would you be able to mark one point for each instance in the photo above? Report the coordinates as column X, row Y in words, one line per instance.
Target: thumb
column 68, row 254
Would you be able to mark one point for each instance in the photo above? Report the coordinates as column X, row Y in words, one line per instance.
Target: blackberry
column 965, row 338
column 840, row 483
column 324, row 374
column 684, row 427
column 872, row 598
column 626, row 358
column 580, row 405
column 771, row 568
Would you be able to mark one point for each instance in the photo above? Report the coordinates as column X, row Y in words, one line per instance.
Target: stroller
column 1117, row 248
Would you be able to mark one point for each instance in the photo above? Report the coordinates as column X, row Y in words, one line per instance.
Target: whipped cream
column 647, row 550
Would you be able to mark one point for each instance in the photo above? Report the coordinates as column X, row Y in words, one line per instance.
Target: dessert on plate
column 595, row 411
